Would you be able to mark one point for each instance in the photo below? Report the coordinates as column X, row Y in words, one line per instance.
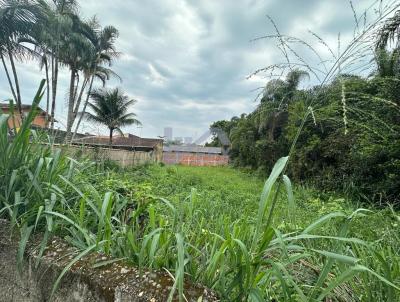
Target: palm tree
column 390, row 33
column 53, row 38
column 282, row 91
column 277, row 95
column 387, row 50
column 104, row 53
column 17, row 20
column 48, row 26
column 388, row 62
column 75, row 53
column 110, row 108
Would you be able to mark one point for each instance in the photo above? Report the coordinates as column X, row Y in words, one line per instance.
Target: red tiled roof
column 6, row 106
column 23, row 106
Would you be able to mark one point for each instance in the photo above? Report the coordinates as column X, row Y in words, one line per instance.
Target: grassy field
column 228, row 193
column 224, row 202
column 246, row 239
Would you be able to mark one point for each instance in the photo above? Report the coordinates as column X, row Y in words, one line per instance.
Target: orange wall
column 39, row 120
column 195, row 159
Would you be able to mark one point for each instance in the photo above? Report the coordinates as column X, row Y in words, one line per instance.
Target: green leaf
column 25, row 234
column 342, row 278
column 322, row 220
column 256, row 295
column 291, row 203
column 39, row 212
column 266, row 193
column 337, row 257
column 107, row 262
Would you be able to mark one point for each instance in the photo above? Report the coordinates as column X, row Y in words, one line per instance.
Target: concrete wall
column 82, row 282
column 195, row 159
column 124, row 158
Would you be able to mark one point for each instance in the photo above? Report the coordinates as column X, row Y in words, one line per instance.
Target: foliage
column 221, row 234
column 343, row 132
column 361, row 157
column 223, row 228
column 53, row 33
column 110, row 108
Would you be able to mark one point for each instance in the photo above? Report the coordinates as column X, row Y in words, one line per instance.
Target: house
column 41, row 120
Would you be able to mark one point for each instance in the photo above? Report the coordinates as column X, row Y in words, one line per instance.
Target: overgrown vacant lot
column 227, row 193
column 245, row 239
column 216, row 211
column 324, row 110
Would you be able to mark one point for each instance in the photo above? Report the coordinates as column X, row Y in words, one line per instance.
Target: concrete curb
column 113, row 282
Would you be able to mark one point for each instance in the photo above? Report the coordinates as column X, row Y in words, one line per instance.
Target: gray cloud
column 186, row 61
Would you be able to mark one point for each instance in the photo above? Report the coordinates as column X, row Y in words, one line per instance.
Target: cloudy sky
column 186, row 61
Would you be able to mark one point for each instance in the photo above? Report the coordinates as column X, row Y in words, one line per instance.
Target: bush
column 358, row 156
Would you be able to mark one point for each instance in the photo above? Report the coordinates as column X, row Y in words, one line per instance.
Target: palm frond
column 110, row 108
column 390, row 32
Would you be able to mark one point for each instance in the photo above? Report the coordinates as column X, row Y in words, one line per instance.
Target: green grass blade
column 26, row 232
column 323, row 220
column 265, row 195
column 291, row 203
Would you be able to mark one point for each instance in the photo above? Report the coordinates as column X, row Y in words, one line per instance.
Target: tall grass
column 246, row 257
column 243, row 259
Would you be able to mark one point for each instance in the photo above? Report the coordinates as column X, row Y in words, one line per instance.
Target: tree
column 51, row 35
column 388, row 62
column 277, row 95
column 17, row 19
column 57, row 33
column 64, row 39
column 389, row 33
column 104, row 53
column 110, row 108
column 75, row 53
column 387, row 48
column 54, row 33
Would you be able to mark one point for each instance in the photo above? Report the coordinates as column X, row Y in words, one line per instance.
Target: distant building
column 168, row 133
column 41, row 120
column 187, row 140
column 178, row 140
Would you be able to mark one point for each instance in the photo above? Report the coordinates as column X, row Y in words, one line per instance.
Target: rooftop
column 120, row 141
column 5, row 105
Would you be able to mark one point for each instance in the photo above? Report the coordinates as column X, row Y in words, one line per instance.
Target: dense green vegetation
column 247, row 239
column 208, row 225
column 349, row 115
column 361, row 156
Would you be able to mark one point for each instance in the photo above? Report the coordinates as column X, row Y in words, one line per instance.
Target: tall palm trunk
column 8, row 77
column 16, row 81
column 111, row 136
column 70, row 104
column 84, row 108
column 78, row 101
column 54, row 80
column 46, row 66
column 76, row 84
